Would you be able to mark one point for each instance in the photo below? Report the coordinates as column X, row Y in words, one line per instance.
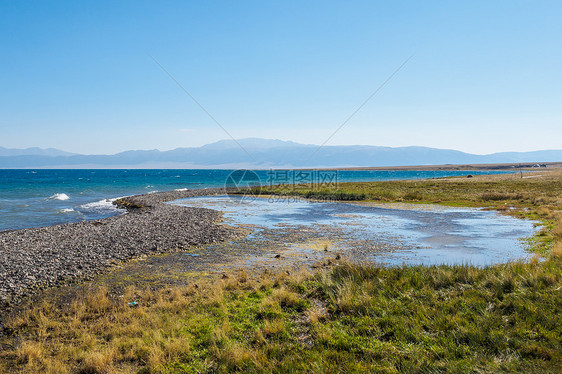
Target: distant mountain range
column 34, row 151
column 265, row 153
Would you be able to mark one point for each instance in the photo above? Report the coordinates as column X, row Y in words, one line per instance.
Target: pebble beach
column 36, row 258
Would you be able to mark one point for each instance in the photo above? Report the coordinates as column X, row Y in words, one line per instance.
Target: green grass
column 337, row 195
column 350, row 318
column 126, row 204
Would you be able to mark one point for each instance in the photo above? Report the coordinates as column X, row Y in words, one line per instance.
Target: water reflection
column 387, row 234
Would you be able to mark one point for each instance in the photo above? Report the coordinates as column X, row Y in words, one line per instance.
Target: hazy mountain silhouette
column 265, row 153
column 34, row 151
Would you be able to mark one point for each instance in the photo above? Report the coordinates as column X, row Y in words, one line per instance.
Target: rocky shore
column 35, row 258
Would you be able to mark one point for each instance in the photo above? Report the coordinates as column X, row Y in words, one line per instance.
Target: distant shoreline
column 468, row 167
column 515, row 166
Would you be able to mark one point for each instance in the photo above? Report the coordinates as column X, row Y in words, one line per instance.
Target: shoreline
column 515, row 167
column 32, row 259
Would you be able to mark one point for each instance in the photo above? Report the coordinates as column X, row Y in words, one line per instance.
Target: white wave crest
column 101, row 205
column 180, row 189
column 59, row 196
column 66, row 210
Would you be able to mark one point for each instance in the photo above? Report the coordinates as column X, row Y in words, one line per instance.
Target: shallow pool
column 390, row 234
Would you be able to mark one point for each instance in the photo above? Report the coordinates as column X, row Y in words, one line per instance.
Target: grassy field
column 497, row 191
column 343, row 318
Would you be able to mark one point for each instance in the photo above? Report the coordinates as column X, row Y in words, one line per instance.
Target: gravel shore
column 35, row 258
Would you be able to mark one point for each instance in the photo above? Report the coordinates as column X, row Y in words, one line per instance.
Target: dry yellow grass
column 274, row 327
column 557, row 229
column 557, row 250
column 285, row 297
column 30, row 353
column 315, row 315
column 99, row 361
column 97, row 333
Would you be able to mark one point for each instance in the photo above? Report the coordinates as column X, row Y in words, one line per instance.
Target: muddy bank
column 36, row 258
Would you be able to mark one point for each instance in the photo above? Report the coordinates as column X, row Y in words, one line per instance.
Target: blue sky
column 486, row 76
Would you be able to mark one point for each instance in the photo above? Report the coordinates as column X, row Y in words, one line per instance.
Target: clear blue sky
column 486, row 76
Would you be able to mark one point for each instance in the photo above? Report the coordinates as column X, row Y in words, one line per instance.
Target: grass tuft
column 98, row 361
column 557, row 250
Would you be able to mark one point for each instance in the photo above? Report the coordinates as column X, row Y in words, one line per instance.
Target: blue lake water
column 43, row 197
